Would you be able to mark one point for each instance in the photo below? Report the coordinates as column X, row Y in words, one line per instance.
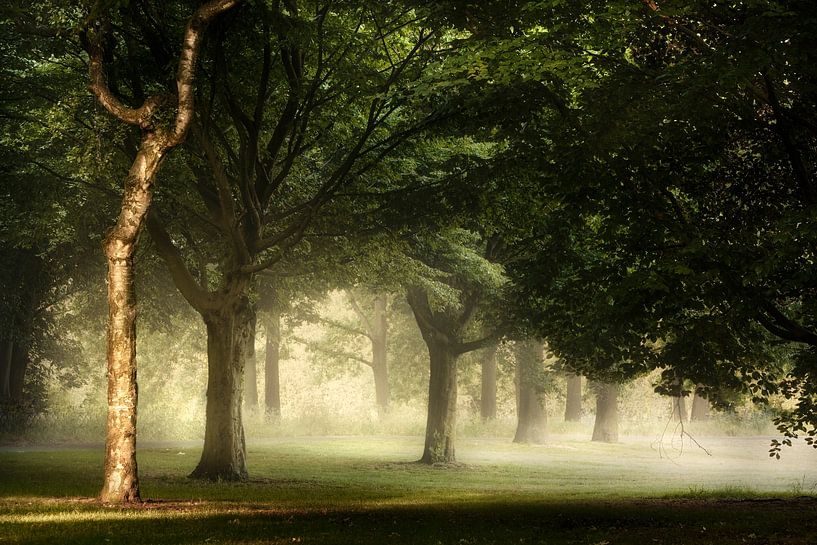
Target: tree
column 487, row 399
column 121, row 478
column 328, row 104
column 605, row 428
column 573, row 396
column 531, row 413
column 464, row 273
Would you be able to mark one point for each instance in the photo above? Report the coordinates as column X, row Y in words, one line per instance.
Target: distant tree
column 605, row 428
column 531, row 410
column 573, row 397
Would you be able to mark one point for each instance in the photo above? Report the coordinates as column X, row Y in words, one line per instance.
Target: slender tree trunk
column 121, row 483
column 250, row 367
column 6, row 355
column 605, row 428
column 573, row 407
column 487, row 401
column 379, row 336
column 442, row 405
column 223, row 456
column 272, row 355
column 679, row 405
column 531, row 416
column 700, row 408
column 679, row 409
column 17, row 374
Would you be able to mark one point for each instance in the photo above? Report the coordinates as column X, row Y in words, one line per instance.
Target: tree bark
column 700, row 408
column 6, row 356
column 250, row 366
column 679, row 405
column 17, row 373
column 224, row 456
column 121, row 483
column 272, row 355
column 487, row 401
column 679, row 409
column 605, row 428
column 442, row 405
column 573, row 406
column 530, row 402
column 380, row 369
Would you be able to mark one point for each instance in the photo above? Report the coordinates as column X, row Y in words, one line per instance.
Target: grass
column 327, row 490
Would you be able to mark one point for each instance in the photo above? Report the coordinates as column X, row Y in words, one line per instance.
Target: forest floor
column 365, row 490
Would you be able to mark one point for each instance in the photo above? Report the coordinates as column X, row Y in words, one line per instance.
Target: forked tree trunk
column 605, row 428
column 573, row 406
column 700, row 408
column 121, row 483
column 223, row 456
column 272, row 355
column 487, row 401
column 250, row 367
column 442, row 405
column 380, row 369
column 531, row 416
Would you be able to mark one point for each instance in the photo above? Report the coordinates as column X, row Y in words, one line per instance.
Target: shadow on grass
column 623, row 522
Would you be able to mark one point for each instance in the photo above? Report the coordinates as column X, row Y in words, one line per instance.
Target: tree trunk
column 442, row 405
column 250, row 367
column 380, row 369
column 223, row 456
column 573, row 407
column 606, row 427
column 6, row 356
column 700, row 408
column 121, row 483
column 17, row 373
column 272, row 355
column 531, row 416
column 487, row 402
column 679, row 409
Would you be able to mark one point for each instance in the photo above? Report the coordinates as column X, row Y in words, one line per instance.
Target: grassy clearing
column 365, row 490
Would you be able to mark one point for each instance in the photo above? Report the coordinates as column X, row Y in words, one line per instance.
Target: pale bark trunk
column 531, row 416
column 250, row 367
column 442, row 405
column 487, row 402
column 223, row 456
column 380, row 369
column 573, row 406
column 272, row 355
column 700, row 408
column 121, row 483
column 605, row 428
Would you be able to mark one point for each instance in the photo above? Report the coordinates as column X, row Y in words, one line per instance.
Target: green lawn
column 365, row 490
